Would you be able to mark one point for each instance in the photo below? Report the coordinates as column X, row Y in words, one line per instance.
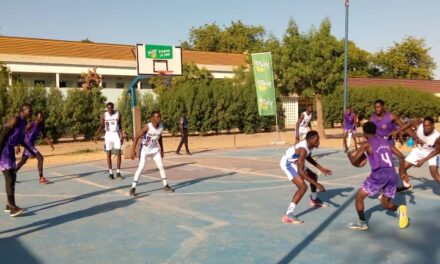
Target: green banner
column 263, row 74
column 161, row 52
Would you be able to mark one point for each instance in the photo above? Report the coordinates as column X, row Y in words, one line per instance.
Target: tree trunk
column 320, row 116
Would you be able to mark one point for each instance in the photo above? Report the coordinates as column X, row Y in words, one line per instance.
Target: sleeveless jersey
column 384, row 126
column 306, row 120
column 111, row 122
column 291, row 155
column 151, row 138
column 381, row 154
column 428, row 141
column 349, row 119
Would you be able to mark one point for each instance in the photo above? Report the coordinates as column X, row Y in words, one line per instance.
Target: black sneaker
column 167, row 188
column 132, row 192
column 8, row 208
column 403, row 188
column 15, row 211
column 111, row 176
column 119, row 176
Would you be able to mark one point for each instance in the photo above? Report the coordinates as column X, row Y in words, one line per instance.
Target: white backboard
column 152, row 59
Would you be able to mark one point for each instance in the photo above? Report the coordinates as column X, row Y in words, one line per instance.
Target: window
column 63, row 84
column 39, row 82
column 104, row 85
column 120, row 85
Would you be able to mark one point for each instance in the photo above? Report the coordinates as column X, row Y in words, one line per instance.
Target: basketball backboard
column 156, row 59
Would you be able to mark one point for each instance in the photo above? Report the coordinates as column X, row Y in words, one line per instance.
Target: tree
column 408, row 59
column 90, row 79
column 359, row 61
column 310, row 63
column 235, row 38
column 323, row 67
column 54, row 124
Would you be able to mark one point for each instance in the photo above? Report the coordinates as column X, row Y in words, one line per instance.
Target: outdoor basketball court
column 226, row 209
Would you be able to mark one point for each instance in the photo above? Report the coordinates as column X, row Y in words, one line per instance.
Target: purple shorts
column 26, row 153
column 384, row 179
column 350, row 129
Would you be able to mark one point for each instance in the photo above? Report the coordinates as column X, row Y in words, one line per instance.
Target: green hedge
column 398, row 100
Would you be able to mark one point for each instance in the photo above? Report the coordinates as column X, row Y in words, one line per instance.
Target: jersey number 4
column 386, row 158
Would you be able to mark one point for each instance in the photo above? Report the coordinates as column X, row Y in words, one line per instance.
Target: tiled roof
column 425, row 85
column 77, row 49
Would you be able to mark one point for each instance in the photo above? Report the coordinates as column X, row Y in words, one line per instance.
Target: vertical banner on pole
column 263, row 74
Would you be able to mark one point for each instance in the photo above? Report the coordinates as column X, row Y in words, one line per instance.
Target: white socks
column 291, row 208
column 313, row 196
column 110, row 171
column 406, row 184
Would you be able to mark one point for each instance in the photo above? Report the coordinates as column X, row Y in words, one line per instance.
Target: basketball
column 360, row 163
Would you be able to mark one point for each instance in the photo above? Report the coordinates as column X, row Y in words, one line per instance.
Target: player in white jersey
column 111, row 122
column 293, row 165
column 151, row 146
column 303, row 124
column 428, row 149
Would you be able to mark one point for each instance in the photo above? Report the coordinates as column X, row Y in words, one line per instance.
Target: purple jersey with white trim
column 384, row 126
column 381, row 154
column 7, row 158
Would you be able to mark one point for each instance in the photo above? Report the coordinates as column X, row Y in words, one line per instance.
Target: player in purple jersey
column 349, row 124
column 383, row 176
column 388, row 126
column 11, row 136
column 33, row 131
column 386, row 122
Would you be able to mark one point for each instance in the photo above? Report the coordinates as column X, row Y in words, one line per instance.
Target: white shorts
column 289, row 168
column 148, row 151
column 302, row 132
column 112, row 140
column 418, row 154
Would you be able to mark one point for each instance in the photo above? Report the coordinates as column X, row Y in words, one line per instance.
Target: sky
column 373, row 24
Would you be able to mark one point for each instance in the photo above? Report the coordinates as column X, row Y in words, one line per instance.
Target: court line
column 199, row 234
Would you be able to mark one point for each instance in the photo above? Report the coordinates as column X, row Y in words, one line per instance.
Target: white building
column 60, row 63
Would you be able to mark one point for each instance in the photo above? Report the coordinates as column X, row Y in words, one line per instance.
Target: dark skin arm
column 161, row 146
column 399, row 155
column 312, row 161
column 300, row 165
column 402, row 126
column 46, row 138
column 101, row 126
column 121, row 136
column 364, row 147
column 300, row 119
column 136, row 140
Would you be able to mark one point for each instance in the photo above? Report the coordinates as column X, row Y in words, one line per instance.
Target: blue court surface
column 226, row 208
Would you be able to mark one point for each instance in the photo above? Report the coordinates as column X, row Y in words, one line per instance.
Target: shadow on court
column 310, row 238
column 58, row 220
column 186, row 183
column 12, row 251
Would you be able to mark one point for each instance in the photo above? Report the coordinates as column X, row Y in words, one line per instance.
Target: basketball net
column 166, row 78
